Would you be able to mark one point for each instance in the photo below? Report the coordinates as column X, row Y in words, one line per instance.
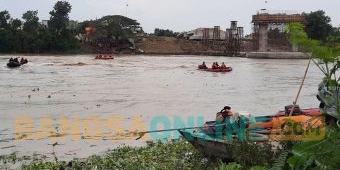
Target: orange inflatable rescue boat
column 104, row 57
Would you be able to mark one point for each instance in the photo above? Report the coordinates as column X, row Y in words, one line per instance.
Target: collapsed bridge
column 266, row 20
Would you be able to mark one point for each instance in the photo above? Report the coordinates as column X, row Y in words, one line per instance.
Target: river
column 87, row 105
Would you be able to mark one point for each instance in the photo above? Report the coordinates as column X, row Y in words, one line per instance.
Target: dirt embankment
column 170, row 45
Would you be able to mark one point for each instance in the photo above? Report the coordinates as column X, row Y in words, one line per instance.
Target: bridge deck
column 277, row 18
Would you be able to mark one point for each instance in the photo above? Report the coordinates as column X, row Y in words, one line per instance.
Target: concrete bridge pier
column 263, row 37
column 266, row 19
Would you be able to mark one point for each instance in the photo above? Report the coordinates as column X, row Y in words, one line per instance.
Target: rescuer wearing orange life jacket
column 223, row 66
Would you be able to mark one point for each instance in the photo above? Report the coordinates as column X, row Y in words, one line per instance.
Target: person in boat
column 225, row 112
column 222, row 122
column 214, row 65
column 204, row 66
column 217, row 66
column 11, row 59
column 15, row 60
column 223, row 66
column 239, row 125
column 22, row 61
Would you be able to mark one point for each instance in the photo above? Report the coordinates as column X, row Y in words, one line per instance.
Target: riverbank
column 173, row 46
column 156, row 46
column 156, row 155
column 255, row 55
column 277, row 55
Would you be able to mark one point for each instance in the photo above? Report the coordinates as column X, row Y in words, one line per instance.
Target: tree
column 165, row 33
column 15, row 42
column 7, row 29
column 59, row 16
column 117, row 26
column 31, row 21
column 60, row 38
column 30, row 37
column 16, row 24
column 334, row 38
column 4, row 18
column 318, row 25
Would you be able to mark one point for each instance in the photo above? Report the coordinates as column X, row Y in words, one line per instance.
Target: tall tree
column 60, row 38
column 16, row 24
column 318, row 25
column 59, row 16
column 5, row 33
column 15, row 36
column 116, row 26
column 31, row 21
column 4, row 18
column 31, row 32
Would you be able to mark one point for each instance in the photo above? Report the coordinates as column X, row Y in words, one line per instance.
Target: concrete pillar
column 295, row 48
column 263, row 37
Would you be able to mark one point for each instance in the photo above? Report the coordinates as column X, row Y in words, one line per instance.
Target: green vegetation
column 318, row 25
column 165, row 33
column 110, row 32
column 33, row 37
column 322, row 154
column 113, row 26
column 59, row 34
column 174, row 155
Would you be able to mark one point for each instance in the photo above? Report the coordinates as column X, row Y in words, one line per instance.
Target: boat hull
column 104, row 58
column 271, row 128
column 208, row 148
column 211, row 147
column 307, row 112
column 13, row 64
column 228, row 69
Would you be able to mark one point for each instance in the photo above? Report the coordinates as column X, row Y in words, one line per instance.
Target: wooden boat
column 228, row 69
column 212, row 147
column 269, row 128
column 208, row 148
column 298, row 111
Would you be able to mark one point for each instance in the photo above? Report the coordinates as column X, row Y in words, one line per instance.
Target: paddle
column 303, row 80
column 141, row 134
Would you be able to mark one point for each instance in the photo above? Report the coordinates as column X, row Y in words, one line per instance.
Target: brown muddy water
column 88, row 106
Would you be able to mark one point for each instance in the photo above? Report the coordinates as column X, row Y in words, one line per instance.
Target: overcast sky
column 176, row 15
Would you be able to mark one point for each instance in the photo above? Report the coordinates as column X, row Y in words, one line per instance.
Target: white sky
column 176, row 15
